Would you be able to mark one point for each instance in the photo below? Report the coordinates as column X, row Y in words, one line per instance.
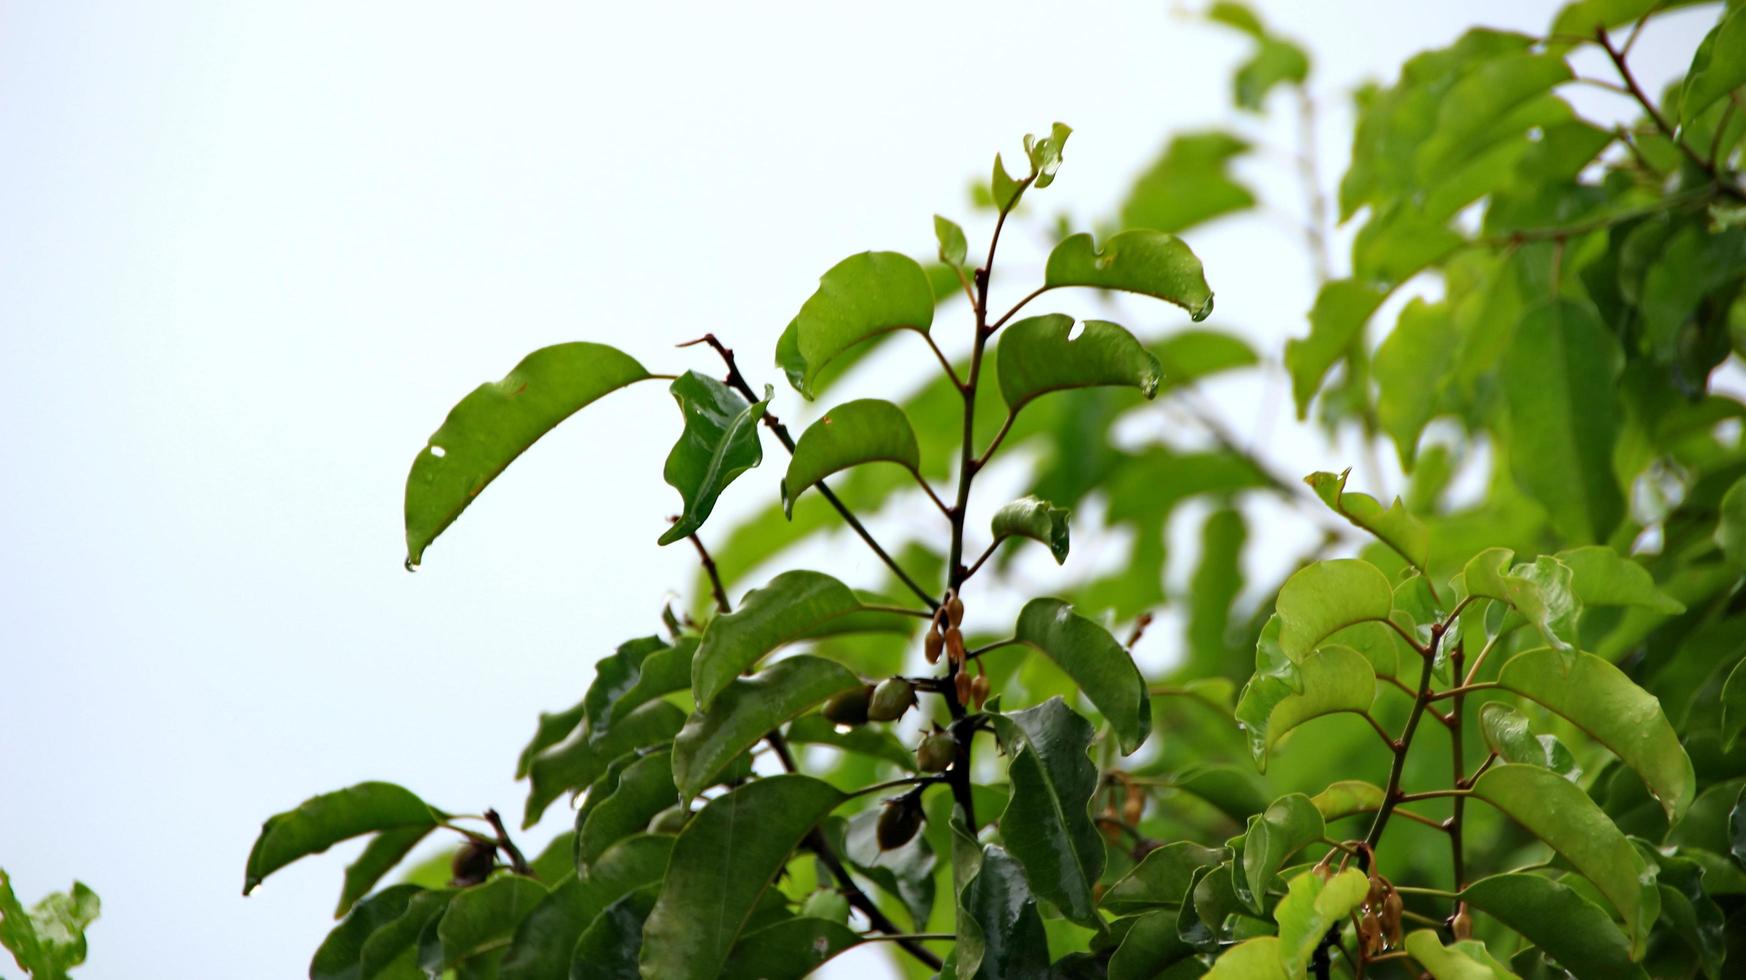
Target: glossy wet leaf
column 1335, row 679
column 1337, row 320
column 1563, row 816
column 1150, row 947
column 1045, row 153
column 580, row 761
column 723, row 861
column 1392, row 525
column 906, row 873
column 1190, row 183
column 1310, row 907
column 1598, row 698
column 1326, row 597
column 719, row 443
column 748, row 709
column 868, row 430
column 1000, row 932
column 1039, row 354
column 644, row 789
column 1347, row 797
column 1279, row 832
column 1719, row 67
column 1542, row 592
column 1579, row 934
column 788, row 950
column 1558, row 380
column 49, row 939
column 1162, row 877
column 1506, row 732
column 323, row 821
column 380, row 855
column 1096, row 662
column 1047, row 826
column 1466, row 960
column 793, row 606
column 1037, row 519
column 1152, row 263
column 860, row 298
column 489, row 428
column 1252, row 959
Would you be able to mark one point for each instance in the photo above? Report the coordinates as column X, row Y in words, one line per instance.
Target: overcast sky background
column 251, row 253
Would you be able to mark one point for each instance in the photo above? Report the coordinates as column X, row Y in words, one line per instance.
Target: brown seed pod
column 1392, row 909
column 1370, row 935
column 936, row 752
column 473, row 863
column 1133, row 807
column 979, row 691
column 955, row 611
column 891, row 699
column 964, row 686
column 849, row 707
column 1462, row 924
column 955, row 645
column 899, row 821
column 932, row 643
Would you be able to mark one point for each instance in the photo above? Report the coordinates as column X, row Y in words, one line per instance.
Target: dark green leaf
column 579, row 761
column 1034, row 518
column 628, row 865
column 483, row 919
column 662, row 672
column 1734, row 705
column 788, row 950
column 906, row 873
column 861, row 297
column 1506, row 733
column 1310, row 907
column 1152, row 263
column 723, row 861
column 1337, row 322
column 379, row 857
column 864, row 431
column 1161, row 878
column 1094, row 660
column 1719, row 67
column 1047, row 825
column 546, row 939
column 613, row 676
column 611, row 948
column 376, row 934
column 323, row 821
column 719, row 443
column 1039, row 355
column 489, row 428
column 873, row 741
column 1291, row 822
column 1150, row 946
column 1000, row 932
column 1190, row 183
column 1731, row 528
column 748, row 709
column 50, row 938
column 1571, row 929
column 644, row 789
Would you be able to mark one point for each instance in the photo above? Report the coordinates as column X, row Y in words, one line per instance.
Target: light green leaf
column 864, row 431
column 1275, row 62
column 1189, row 355
column 1047, row 825
column 1731, row 528
column 788, row 950
column 1038, row 355
column 580, row 761
column 723, row 861
column 1045, row 153
column 1600, row 576
column 1394, row 527
column 1335, row 679
column 1102, row 668
column 385, row 850
column 489, row 428
column 1161, row 878
column 48, row 940
column 1482, row 109
column 1558, row 380
column 748, row 709
column 1580, row 17
column 1190, row 183
column 953, row 248
column 1571, row 929
column 644, row 789
column 795, row 605
column 1290, row 823
column 1310, row 907
column 1034, row 518
column 1150, row 946
column 1542, row 592
column 1152, row 263
column 483, row 919
column 323, row 821
column 1507, row 733
column 1465, row 960
column 719, row 443
column 861, row 297
column 1563, row 816
column 1213, row 592
column 1346, row 798
column 1326, row 597
column 1003, row 188
column 1337, row 322
column 1598, row 698
column 1719, row 67
column 1409, row 362
column 1251, row 959
column 1234, row 790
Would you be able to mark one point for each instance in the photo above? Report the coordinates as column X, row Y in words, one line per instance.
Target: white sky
column 251, row 253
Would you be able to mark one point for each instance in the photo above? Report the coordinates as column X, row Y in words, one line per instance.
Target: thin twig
column 721, row 598
column 947, row 365
column 517, row 862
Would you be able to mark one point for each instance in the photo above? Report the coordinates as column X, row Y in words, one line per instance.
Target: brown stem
column 1392, row 795
column 517, row 862
column 1617, row 57
column 1457, row 772
column 721, row 599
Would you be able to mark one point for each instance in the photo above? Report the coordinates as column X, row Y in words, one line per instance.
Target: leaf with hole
column 1151, row 263
column 1041, row 354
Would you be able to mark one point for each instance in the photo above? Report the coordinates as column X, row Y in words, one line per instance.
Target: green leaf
column 1543, row 593
column 1600, row 576
column 1558, row 380
column 953, row 247
column 612, row 946
column 719, row 443
column 1190, row 183
column 868, row 430
column 48, row 940
column 613, row 676
column 662, row 672
column 1580, row 17
column 723, row 861
column 1152, row 263
column 1335, row 679
column 1466, row 960
column 1213, row 592
column 1000, row 932
column 748, row 709
column 1731, row 528
column 1337, row 322
column 1275, row 62
column 860, row 298
column 1310, row 907
column 795, row 605
column 1253, row 959
column 906, row 872
column 1162, row 877
column 379, row 857
column 644, row 789
column 1047, row 825
column 1038, row 355
column 788, row 950
column 1719, row 67
column 1598, row 698
column 873, row 741
column 1291, row 822
column 378, row 936
column 1416, row 351
column 1045, row 153
column 1481, row 109
column 320, row 822
column 1326, row 597
column 489, row 428
column 633, row 863
column 1150, row 947
column 483, row 919
column 1563, row 816
column 1506, row 732
column 1394, row 527
column 580, row 761
column 1555, row 917
column 1034, row 518
column 1102, row 668
column 1734, row 705
column 1346, row 798
column 1002, row 188
column 545, row 940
